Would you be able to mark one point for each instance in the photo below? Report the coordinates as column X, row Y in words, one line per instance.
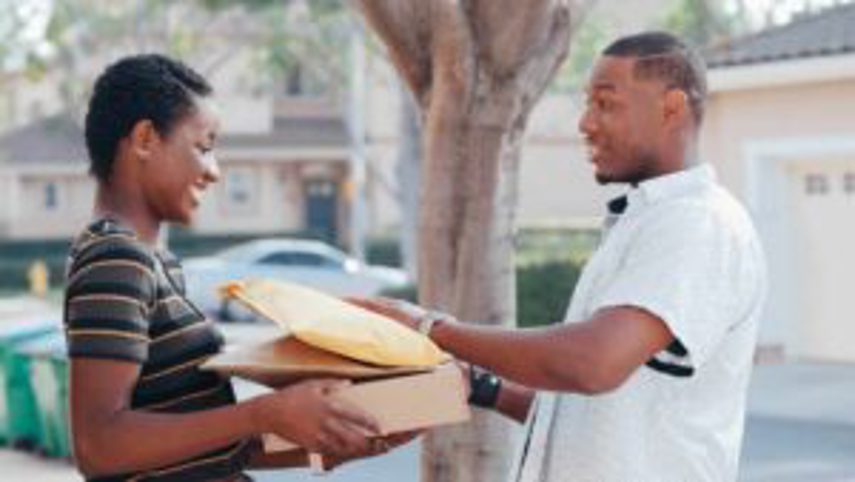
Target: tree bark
column 476, row 68
column 408, row 170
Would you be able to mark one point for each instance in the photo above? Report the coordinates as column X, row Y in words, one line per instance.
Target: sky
column 37, row 14
column 783, row 9
column 34, row 15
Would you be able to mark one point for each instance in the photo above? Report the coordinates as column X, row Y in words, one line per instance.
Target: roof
column 59, row 139
column 291, row 132
column 826, row 33
column 56, row 139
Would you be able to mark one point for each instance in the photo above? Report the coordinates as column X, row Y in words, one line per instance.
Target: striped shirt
column 125, row 301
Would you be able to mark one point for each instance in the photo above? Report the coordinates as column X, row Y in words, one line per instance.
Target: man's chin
column 603, row 179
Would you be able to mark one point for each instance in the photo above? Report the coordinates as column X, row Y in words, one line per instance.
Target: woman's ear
column 143, row 139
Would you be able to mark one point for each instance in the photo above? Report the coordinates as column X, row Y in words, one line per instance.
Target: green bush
column 409, row 293
column 383, row 251
column 543, row 292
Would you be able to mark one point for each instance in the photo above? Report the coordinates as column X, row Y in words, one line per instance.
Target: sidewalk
column 801, row 424
column 21, row 466
column 800, row 428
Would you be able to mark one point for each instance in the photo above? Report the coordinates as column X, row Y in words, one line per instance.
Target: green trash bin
column 19, row 422
column 48, row 368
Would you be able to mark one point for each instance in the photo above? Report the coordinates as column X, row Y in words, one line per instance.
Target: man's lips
column 594, row 152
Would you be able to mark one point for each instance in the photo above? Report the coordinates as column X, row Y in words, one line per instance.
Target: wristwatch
column 484, row 388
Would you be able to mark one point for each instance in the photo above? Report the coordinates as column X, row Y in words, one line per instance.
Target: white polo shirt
column 685, row 250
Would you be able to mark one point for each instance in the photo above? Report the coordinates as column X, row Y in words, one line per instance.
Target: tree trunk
column 408, row 170
column 476, row 68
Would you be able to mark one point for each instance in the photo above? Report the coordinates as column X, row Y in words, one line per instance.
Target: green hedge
column 543, row 292
column 383, row 251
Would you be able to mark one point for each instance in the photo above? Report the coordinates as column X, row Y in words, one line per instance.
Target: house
column 780, row 128
column 284, row 161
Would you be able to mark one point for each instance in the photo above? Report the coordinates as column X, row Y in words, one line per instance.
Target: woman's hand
column 377, row 446
column 312, row 416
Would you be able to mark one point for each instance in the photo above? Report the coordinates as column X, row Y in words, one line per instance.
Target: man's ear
column 143, row 139
column 676, row 106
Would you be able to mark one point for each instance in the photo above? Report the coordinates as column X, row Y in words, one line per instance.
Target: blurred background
column 320, row 159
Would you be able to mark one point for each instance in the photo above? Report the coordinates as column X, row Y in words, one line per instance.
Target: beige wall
column 764, row 142
column 275, row 201
column 736, row 119
column 33, row 219
column 557, row 187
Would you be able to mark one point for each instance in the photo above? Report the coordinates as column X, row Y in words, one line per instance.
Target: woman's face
column 182, row 165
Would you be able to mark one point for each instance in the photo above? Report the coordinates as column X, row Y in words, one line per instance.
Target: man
column 660, row 333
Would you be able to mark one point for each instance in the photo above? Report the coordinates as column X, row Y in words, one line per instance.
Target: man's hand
column 408, row 314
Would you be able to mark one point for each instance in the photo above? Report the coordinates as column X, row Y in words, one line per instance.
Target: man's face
column 622, row 123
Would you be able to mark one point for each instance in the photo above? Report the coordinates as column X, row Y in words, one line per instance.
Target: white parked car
column 311, row 263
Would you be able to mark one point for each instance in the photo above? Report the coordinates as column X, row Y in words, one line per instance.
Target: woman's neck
column 114, row 203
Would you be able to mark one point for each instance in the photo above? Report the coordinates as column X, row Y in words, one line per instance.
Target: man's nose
column 586, row 123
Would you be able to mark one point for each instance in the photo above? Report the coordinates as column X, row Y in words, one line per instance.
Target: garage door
column 823, row 195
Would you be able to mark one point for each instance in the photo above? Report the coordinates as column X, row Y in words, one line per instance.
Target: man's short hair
column 140, row 87
column 662, row 56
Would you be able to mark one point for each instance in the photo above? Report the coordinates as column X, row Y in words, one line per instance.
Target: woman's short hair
column 140, row 87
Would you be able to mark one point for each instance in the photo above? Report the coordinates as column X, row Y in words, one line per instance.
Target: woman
column 141, row 409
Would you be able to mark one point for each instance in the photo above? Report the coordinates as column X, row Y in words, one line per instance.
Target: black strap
column 484, row 388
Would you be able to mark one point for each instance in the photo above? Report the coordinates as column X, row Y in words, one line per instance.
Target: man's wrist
column 431, row 319
column 484, row 388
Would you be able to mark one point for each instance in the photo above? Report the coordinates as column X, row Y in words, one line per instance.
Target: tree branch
column 538, row 75
column 405, row 28
column 508, row 31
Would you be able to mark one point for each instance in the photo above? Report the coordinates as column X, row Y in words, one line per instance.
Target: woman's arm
column 111, row 438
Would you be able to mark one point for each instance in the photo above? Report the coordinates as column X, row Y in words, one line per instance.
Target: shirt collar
column 663, row 187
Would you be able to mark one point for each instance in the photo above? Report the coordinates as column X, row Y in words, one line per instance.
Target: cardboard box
column 404, row 403
column 400, row 398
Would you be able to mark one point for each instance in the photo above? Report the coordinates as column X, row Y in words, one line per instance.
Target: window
column 298, row 80
column 849, row 183
column 51, row 197
column 816, row 184
column 240, row 189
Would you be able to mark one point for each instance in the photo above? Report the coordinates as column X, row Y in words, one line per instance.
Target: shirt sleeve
column 110, row 295
column 689, row 268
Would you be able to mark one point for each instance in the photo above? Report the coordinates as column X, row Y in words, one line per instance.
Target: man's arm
column 514, row 401
column 593, row 356
column 590, row 357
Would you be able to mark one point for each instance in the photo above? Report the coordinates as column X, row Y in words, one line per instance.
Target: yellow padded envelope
column 334, row 325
